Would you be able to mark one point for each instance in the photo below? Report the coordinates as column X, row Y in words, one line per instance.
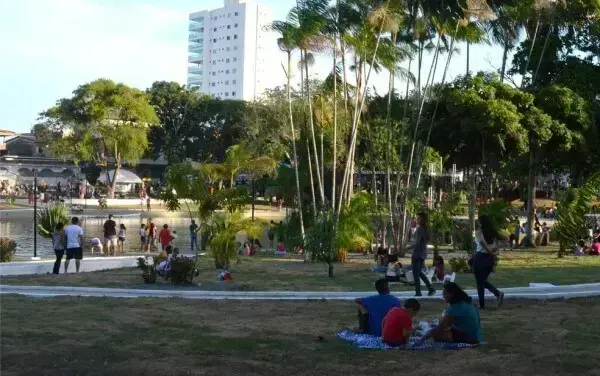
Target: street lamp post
column 35, row 213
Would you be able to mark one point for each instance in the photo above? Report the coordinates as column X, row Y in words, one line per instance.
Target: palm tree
column 288, row 43
column 505, row 30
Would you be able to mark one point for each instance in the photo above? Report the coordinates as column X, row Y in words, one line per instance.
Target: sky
column 49, row 47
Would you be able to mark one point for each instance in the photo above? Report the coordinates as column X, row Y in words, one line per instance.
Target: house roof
column 4, row 132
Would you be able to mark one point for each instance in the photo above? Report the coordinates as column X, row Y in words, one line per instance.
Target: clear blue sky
column 49, row 47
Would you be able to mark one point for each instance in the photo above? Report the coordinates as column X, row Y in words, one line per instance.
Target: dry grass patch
column 104, row 336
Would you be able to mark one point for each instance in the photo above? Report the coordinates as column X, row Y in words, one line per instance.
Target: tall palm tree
column 288, row 44
column 505, row 31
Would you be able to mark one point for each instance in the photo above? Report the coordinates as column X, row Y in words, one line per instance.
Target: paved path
column 539, row 293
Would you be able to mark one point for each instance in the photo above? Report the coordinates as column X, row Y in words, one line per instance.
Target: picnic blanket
column 367, row 341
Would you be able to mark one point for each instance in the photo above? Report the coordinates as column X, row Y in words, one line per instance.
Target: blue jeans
column 417, row 270
column 193, row 241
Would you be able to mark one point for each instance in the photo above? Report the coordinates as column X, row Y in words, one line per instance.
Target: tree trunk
column 504, row 59
column 531, row 195
column 330, row 270
column 468, row 57
column 537, row 25
column 334, row 158
column 539, row 64
column 289, row 98
column 312, row 182
column 113, row 184
column 312, row 133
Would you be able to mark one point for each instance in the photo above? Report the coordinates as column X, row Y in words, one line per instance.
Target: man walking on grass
column 74, row 235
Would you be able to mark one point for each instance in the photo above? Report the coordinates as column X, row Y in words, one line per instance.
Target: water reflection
column 21, row 230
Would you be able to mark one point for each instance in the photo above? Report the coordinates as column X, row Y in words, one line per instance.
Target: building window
column 234, row 59
column 229, row 26
column 233, row 93
column 235, row 25
column 228, row 14
column 201, row 29
column 215, row 40
column 233, row 82
column 227, row 94
column 213, row 84
column 227, row 60
column 234, row 71
column 214, row 73
column 235, row 36
column 227, row 71
column 228, row 48
column 226, row 82
column 215, row 29
column 228, row 37
column 236, row 13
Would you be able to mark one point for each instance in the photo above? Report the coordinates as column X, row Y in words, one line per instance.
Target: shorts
column 110, row 241
column 74, row 253
column 121, row 239
column 150, row 240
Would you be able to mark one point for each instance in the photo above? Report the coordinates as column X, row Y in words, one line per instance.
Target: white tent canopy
column 124, row 177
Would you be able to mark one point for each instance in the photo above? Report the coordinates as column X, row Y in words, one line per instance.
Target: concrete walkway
column 88, row 264
column 539, row 293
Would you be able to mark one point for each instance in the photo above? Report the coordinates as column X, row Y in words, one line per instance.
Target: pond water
column 21, row 230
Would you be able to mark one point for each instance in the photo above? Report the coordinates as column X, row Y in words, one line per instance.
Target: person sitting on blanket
column 460, row 322
column 438, row 264
column 394, row 269
column 397, row 324
column 372, row 309
column 164, row 266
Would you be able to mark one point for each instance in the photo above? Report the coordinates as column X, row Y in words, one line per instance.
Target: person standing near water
column 419, row 254
column 74, row 235
column 486, row 239
column 110, row 235
column 193, row 235
column 59, row 244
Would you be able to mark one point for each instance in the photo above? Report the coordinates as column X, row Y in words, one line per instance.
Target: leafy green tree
column 104, row 122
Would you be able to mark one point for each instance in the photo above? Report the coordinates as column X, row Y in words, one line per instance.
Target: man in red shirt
column 397, row 324
column 165, row 237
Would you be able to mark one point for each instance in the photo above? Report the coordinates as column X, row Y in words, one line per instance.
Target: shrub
column 8, row 248
column 48, row 217
column 182, row 270
column 459, row 265
column 148, row 271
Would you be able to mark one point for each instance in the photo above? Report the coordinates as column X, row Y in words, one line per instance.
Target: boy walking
column 74, row 235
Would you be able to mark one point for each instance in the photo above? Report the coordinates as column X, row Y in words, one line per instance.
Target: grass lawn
column 105, row 336
column 266, row 272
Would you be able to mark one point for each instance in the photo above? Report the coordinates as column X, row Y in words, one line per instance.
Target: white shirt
column 73, row 234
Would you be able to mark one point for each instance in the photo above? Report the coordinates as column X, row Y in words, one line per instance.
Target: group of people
column 383, row 315
column 482, row 261
column 114, row 240
column 68, row 240
column 149, row 235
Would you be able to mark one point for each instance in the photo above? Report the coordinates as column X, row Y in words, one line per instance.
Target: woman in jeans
column 483, row 261
column 59, row 244
column 419, row 254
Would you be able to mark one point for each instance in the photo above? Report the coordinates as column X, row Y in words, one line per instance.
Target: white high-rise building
column 231, row 53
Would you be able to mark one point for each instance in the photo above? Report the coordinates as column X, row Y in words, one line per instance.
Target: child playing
column 142, row 237
column 397, row 325
column 281, row 250
column 97, row 245
column 394, row 269
column 121, row 238
column 580, row 250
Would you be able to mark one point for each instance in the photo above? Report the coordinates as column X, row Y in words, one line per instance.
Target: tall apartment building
column 231, row 53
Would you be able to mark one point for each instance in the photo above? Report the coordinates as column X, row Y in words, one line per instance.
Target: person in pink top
column 595, row 250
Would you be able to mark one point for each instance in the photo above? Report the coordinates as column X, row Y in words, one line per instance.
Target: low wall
column 45, row 266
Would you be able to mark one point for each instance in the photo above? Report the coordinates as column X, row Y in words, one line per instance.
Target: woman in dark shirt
column 419, row 254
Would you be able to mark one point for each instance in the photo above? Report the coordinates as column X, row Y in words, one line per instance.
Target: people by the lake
column 165, row 236
column 74, row 235
column 96, row 246
column 397, row 326
column 418, row 246
column 151, row 233
column 110, row 235
column 122, row 236
column 487, row 239
column 143, row 236
column 148, row 203
column 271, row 233
column 460, row 321
column 193, row 235
column 59, row 244
column 373, row 309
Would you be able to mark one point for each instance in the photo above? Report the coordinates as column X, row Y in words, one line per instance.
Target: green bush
column 182, row 270
column 148, row 271
column 8, row 248
column 49, row 217
column 459, row 265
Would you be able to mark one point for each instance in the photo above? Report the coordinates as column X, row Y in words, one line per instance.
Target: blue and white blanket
column 367, row 341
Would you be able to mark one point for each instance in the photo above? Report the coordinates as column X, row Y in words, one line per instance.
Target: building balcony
column 195, row 43
column 195, row 70
column 194, row 81
column 196, row 26
column 197, row 50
